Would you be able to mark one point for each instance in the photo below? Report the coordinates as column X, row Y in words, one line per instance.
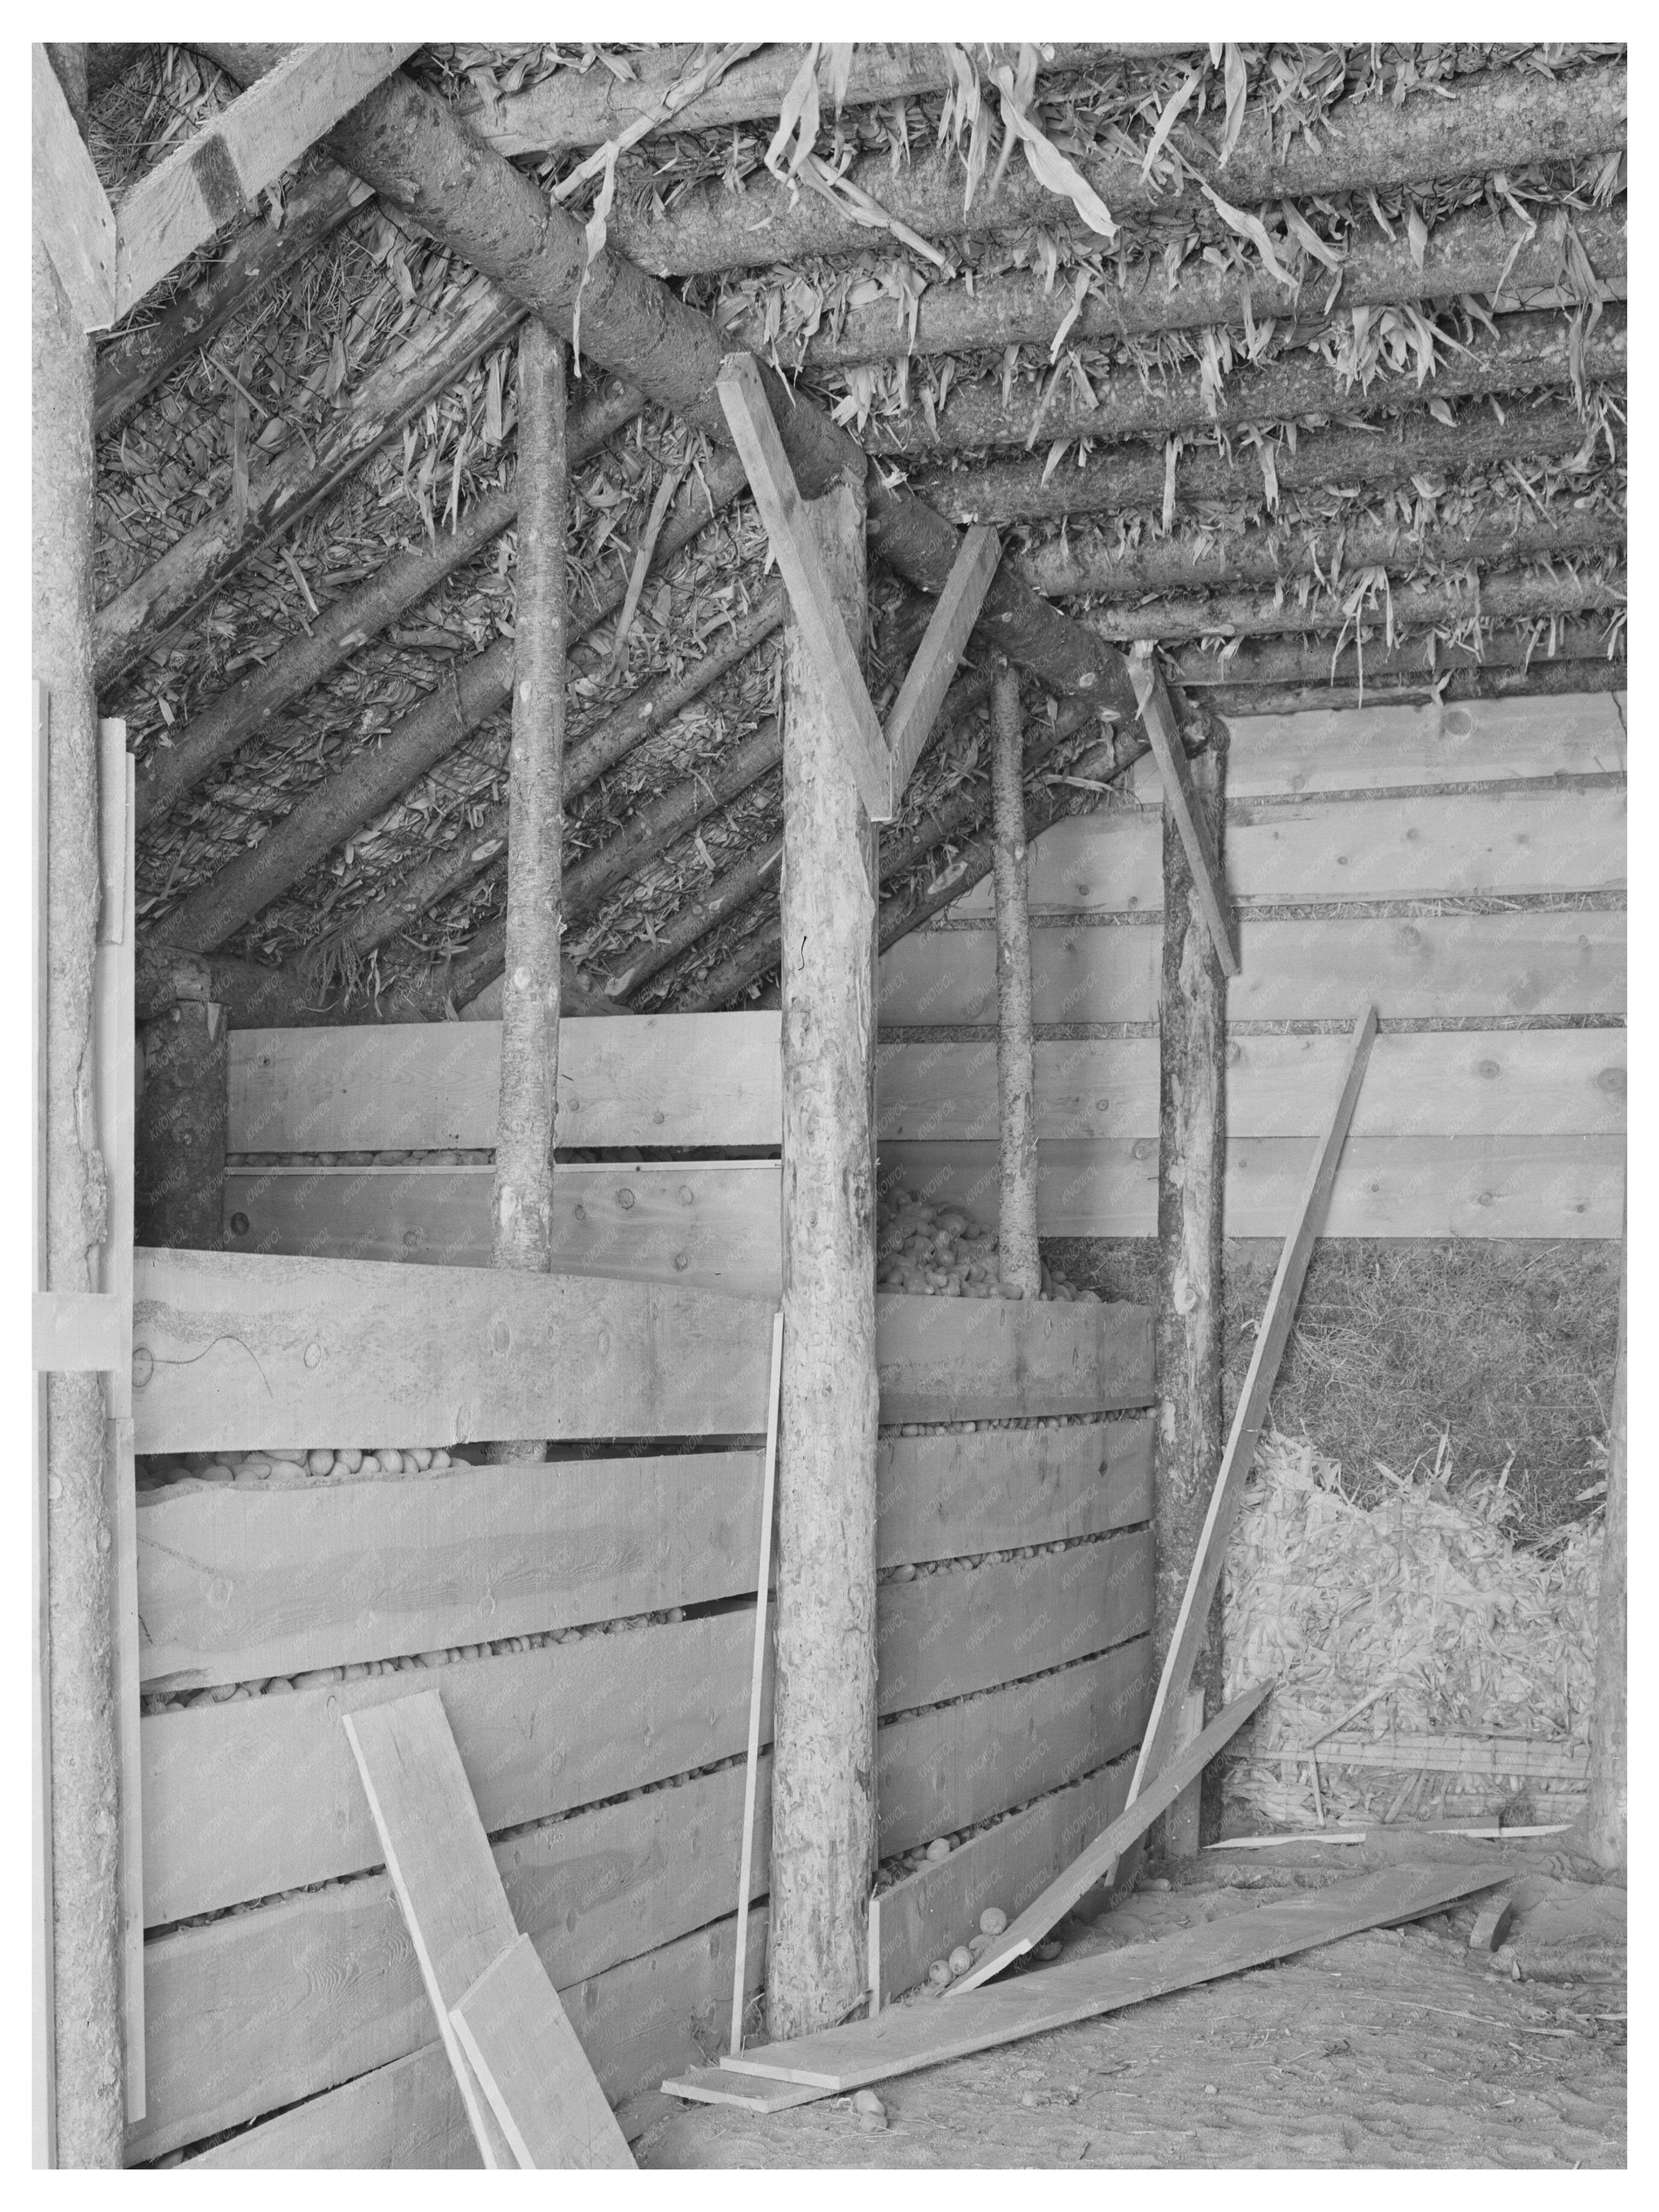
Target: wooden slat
column 71, row 209
column 714, row 2085
column 258, row 2010
column 698, row 1225
column 929, row 676
column 752, row 1774
column 657, row 1080
column 1181, row 798
column 926, row 1915
column 43, row 2078
column 637, row 2023
column 1526, row 1186
column 1441, row 1083
column 942, row 1769
column 943, row 1497
column 974, row 1628
column 233, row 1352
column 244, row 1799
column 1513, row 841
column 1490, row 1758
column 235, row 1584
column 1415, row 966
column 438, row 1857
column 209, row 179
column 907, row 2038
column 996, row 1359
column 813, row 602
column 525, row 2054
column 121, row 1498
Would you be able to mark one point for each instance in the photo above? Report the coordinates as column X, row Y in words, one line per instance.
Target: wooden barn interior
column 695, row 706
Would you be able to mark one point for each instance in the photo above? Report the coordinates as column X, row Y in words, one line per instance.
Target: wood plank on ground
column 954, row 1359
column 525, row 2054
column 1529, row 962
column 749, row 2093
column 973, row 1628
column 948, row 1767
column 236, row 1585
column 258, row 2010
column 697, row 1224
column 943, row 1496
column 925, row 1916
column 650, row 2017
column 247, row 1798
column 903, row 2039
column 657, row 1080
column 235, row 1351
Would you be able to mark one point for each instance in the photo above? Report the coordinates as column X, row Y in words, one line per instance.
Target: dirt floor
column 1397, row 2048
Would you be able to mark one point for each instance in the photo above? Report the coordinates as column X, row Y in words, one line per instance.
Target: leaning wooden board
column 905, row 2038
column 523, row 2051
column 656, row 1080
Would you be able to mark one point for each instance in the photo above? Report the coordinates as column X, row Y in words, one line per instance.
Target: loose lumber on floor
column 1098, row 1862
column 906, row 2039
column 750, row 2093
column 525, row 2054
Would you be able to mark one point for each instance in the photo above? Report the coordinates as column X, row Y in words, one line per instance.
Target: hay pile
column 1422, row 1599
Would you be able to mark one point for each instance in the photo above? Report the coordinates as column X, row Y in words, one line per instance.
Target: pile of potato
column 296, row 1468
column 940, row 1252
column 453, row 1157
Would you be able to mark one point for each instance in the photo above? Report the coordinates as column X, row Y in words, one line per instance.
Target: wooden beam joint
column 1164, row 735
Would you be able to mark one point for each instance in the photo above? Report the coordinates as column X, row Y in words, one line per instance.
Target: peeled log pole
column 1020, row 1266
column 1603, row 1828
column 1192, row 1163
column 522, row 1203
column 1506, row 596
column 823, row 1753
column 82, row 1765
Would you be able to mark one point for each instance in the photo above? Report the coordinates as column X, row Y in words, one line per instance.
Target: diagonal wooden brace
column 922, row 693
column 1157, row 717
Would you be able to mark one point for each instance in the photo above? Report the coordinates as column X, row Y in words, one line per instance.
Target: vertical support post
column 1604, row 1827
column 83, row 1775
column 1021, row 1267
column 1191, row 1165
column 522, row 1211
column 179, row 1196
column 1181, row 1822
column 823, row 1761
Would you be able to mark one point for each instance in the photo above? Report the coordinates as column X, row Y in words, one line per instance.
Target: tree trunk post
column 1021, row 1267
column 523, row 1202
column 79, row 1761
column 823, row 1761
column 1192, row 1163
column 1603, row 1827
column 178, row 1146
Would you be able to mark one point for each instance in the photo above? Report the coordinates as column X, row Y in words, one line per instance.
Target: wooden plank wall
column 1473, row 859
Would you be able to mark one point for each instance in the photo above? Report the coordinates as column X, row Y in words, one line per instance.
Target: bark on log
column 1287, row 660
column 1551, row 679
column 1602, row 1831
column 823, row 1751
column 82, row 1765
column 1020, row 1266
column 1502, row 120
column 178, row 1155
column 1065, row 569
column 369, row 781
column 1506, row 596
column 1013, row 491
column 419, row 157
column 1467, row 253
column 522, row 1200
column 1190, row 1324
column 130, row 367
column 1531, row 353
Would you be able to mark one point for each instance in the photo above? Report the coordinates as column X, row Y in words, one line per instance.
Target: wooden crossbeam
column 209, row 179
column 755, row 434
column 922, row 692
column 1157, row 718
column 72, row 211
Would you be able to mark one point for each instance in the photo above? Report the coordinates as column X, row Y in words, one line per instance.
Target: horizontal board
column 925, row 1916
column 260, row 2009
column 1513, row 841
column 1447, row 1082
column 1524, row 1186
column 653, row 2017
column 231, row 1352
column 954, row 1359
column 655, row 1080
column 974, row 1628
column 698, row 1225
column 944, row 1769
column 1487, row 1758
column 943, row 1496
column 1413, row 967
column 244, row 1799
column 235, row 1583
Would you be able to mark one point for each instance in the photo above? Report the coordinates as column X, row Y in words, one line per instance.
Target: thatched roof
column 1347, row 414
